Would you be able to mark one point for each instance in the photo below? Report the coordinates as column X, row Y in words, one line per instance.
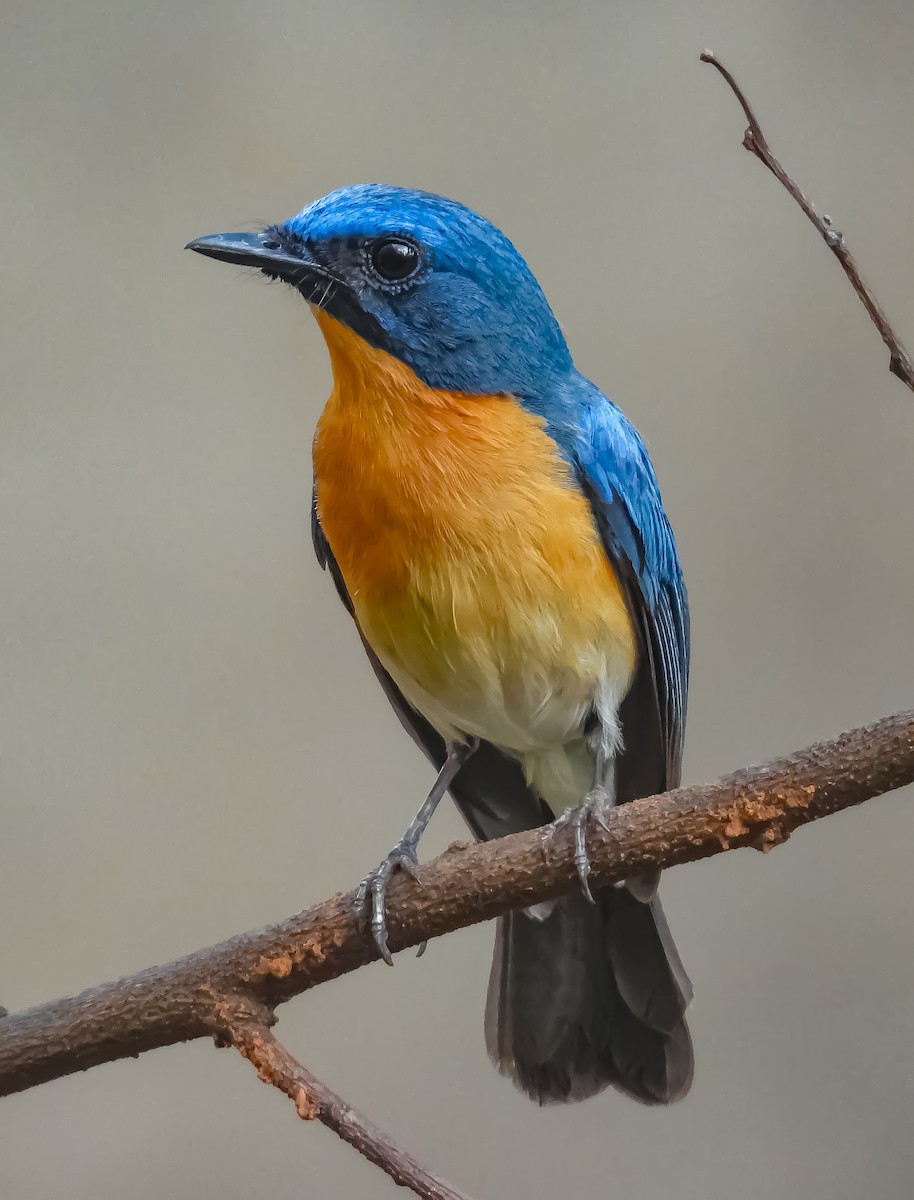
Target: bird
column 493, row 524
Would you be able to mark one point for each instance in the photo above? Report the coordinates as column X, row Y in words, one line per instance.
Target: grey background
column 191, row 742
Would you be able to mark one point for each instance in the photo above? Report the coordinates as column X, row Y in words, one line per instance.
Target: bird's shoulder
column 612, row 463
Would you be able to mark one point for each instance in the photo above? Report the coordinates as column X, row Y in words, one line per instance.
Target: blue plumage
column 473, row 320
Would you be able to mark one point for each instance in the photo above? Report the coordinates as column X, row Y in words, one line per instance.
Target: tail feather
column 591, row 996
column 645, row 963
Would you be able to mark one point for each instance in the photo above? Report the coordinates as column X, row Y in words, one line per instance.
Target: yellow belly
column 471, row 557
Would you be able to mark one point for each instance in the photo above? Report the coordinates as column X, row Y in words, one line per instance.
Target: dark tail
column 591, row 996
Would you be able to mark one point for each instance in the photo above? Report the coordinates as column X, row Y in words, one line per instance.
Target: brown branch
column 754, row 140
column 758, row 806
column 314, row 1101
column 229, row 991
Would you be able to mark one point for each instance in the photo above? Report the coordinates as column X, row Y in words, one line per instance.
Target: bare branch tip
column 756, row 143
column 902, row 368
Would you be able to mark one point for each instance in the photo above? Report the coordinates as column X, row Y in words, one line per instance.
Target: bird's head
column 417, row 276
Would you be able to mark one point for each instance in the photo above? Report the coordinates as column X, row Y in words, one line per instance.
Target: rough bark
column 757, row 806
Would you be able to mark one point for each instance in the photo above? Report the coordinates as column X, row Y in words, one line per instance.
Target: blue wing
column 616, row 474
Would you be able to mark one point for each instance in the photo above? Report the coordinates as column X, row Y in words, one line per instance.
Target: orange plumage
column 471, row 558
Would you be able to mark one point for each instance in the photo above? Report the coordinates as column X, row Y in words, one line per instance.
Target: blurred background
column 191, row 742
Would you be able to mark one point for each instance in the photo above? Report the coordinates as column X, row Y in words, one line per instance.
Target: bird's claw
column 594, row 808
column 371, row 898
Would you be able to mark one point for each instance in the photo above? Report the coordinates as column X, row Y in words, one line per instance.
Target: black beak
column 263, row 250
column 290, row 260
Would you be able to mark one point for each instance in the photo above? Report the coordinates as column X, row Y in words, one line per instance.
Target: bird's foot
column 596, row 804
column 371, row 899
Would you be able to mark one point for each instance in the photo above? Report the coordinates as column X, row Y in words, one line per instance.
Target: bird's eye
column 393, row 259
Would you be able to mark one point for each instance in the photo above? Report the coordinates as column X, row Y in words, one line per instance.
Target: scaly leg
column 373, row 888
column 594, row 807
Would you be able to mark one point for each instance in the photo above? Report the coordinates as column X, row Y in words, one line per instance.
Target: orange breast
column 470, row 555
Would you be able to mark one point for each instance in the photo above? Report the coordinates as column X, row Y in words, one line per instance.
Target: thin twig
column 313, row 1100
column 900, row 363
column 757, row 807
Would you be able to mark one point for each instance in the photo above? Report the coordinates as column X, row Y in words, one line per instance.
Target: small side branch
column 314, row 1101
column 900, row 363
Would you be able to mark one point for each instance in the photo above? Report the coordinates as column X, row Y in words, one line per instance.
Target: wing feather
column 615, row 473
